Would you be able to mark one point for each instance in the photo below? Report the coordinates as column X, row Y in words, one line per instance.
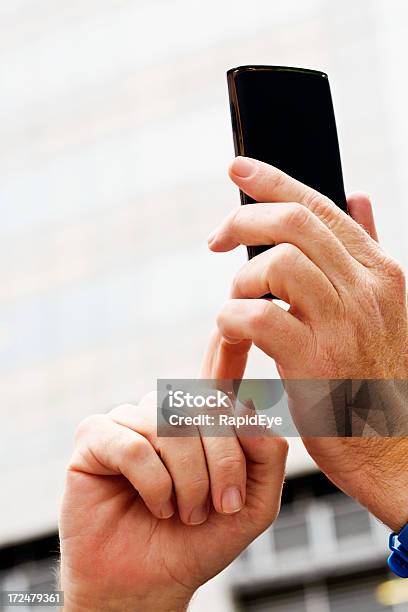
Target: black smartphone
column 284, row 116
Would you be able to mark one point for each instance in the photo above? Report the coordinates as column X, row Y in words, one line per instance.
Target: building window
column 291, row 536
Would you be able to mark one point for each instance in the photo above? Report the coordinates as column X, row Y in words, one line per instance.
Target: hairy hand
column 347, row 316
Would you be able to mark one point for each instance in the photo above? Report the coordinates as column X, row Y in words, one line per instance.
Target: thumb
column 361, row 211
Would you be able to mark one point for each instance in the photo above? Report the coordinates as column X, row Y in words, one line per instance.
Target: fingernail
column 231, row 500
column 243, row 167
column 198, row 515
column 167, row 510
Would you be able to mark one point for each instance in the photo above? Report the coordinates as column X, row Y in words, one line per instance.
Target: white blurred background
column 115, row 139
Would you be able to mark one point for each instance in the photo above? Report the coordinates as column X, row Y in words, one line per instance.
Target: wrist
column 83, row 598
column 128, row 605
column 383, row 484
column 86, row 603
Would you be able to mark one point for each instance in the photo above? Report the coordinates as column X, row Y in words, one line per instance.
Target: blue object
column 398, row 559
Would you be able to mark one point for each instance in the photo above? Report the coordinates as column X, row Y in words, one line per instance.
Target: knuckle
column 321, row 206
column 282, row 447
column 236, row 285
column 284, row 258
column 297, row 217
column 231, row 464
column 220, row 318
column 197, row 486
column 288, row 254
column 388, row 273
column 258, row 316
column 89, row 424
column 136, row 450
column 224, row 316
column 198, row 479
column 234, row 221
column 395, row 271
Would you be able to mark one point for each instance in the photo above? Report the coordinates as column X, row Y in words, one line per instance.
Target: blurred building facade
column 115, row 137
column 325, row 553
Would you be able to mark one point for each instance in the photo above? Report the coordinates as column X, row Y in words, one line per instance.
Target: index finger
column 225, row 360
column 259, row 224
column 265, row 183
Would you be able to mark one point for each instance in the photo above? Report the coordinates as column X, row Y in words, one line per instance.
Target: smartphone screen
column 284, row 117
